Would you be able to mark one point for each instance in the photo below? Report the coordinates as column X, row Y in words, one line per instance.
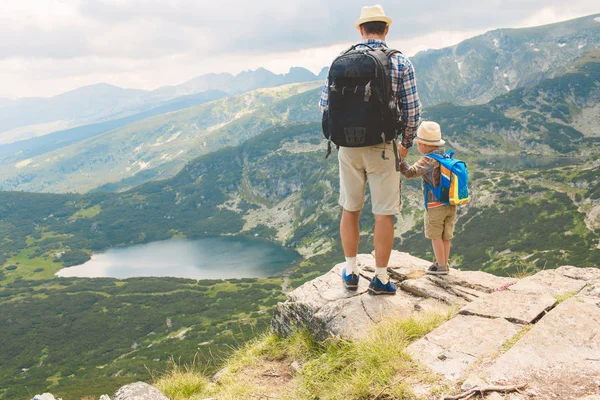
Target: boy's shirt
column 429, row 171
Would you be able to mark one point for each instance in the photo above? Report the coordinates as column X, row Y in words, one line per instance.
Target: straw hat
column 430, row 133
column 372, row 14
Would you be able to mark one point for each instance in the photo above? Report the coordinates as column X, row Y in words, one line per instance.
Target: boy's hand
column 403, row 151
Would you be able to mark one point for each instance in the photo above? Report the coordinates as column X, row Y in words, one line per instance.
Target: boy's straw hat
column 430, row 133
column 372, row 14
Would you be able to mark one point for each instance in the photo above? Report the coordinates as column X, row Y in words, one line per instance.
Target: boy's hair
column 375, row 27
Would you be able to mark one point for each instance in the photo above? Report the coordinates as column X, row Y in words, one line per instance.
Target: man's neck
column 373, row 37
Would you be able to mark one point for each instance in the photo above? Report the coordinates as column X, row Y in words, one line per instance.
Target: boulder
column 559, row 357
column 551, row 282
column 139, row 391
column 326, row 308
column 514, row 306
column 45, row 396
column 451, row 349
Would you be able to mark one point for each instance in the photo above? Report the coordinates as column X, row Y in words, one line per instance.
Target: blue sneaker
column 377, row 287
column 350, row 281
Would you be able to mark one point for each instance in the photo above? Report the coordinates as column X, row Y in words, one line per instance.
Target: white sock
column 352, row 266
column 381, row 274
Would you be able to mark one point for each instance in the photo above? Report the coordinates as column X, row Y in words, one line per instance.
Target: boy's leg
column 439, row 249
column 447, row 246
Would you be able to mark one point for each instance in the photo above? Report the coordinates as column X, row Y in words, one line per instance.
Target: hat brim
column 361, row 21
column 436, row 143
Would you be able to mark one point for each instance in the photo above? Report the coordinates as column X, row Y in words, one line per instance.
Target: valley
column 252, row 166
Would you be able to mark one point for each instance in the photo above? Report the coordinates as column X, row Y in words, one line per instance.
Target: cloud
column 50, row 46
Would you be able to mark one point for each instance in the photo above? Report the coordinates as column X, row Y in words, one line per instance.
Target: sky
column 49, row 47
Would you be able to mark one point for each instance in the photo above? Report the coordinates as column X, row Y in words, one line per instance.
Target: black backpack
column 361, row 111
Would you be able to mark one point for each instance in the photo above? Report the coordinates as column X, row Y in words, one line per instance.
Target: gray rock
column 590, row 275
column 216, row 377
column 45, row 396
column 426, row 287
column 325, row 307
column 551, row 282
column 518, row 307
column 296, row 366
column 559, row 357
column 453, row 347
column 104, row 397
column 472, row 381
column 139, row 391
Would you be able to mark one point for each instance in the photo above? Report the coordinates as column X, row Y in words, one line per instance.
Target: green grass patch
column 334, row 369
column 86, row 213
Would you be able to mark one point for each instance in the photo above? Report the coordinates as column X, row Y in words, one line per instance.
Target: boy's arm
column 420, row 168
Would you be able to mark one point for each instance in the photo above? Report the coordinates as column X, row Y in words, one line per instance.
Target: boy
column 439, row 217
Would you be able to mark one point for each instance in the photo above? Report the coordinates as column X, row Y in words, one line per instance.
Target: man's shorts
column 439, row 222
column 359, row 165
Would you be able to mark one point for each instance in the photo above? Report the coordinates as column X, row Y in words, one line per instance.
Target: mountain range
column 31, row 117
column 253, row 164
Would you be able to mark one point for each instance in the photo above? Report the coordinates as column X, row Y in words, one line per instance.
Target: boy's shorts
column 361, row 164
column 439, row 222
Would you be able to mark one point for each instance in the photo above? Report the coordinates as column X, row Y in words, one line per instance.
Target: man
column 359, row 165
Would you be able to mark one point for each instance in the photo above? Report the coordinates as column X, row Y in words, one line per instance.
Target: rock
column 559, row 357
column 453, row 347
column 139, row 391
column 518, row 307
column 104, row 397
column 296, row 366
column 325, row 307
column 216, row 377
column 495, row 396
column 472, row 381
column 551, row 282
column 45, row 396
column 590, row 275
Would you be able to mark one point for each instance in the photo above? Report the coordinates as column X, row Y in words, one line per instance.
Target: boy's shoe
column 437, row 269
column 350, row 281
column 377, row 287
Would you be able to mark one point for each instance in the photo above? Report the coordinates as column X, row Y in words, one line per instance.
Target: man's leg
column 350, row 233
column 383, row 239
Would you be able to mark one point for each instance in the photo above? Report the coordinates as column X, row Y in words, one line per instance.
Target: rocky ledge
column 542, row 331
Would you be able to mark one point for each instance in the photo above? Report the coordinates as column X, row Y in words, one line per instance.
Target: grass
column 86, row 213
column 513, row 340
column 562, row 297
column 334, row 369
column 30, row 268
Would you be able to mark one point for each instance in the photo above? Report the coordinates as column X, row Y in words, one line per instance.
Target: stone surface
column 45, row 396
column 453, row 347
column 139, row 391
column 551, row 282
column 559, row 357
column 325, row 307
column 518, row 307
column 104, row 397
column 590, row 275
column 424, row 287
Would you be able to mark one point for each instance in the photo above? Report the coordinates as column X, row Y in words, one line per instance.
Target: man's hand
column 403, row 151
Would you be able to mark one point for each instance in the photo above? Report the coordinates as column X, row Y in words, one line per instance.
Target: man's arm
column 420, row 168
column 324, row 101
column 408, row 97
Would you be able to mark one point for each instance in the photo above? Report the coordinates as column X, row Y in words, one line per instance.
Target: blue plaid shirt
column 404, row 89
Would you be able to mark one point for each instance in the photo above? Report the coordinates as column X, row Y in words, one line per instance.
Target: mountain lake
column 208, row 258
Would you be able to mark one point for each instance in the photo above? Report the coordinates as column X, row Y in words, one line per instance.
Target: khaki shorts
column 359, row 165
column 439, row 222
